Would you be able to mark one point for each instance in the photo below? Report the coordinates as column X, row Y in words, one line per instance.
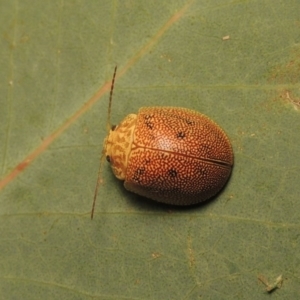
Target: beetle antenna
column 103, row 150
column 110, row 99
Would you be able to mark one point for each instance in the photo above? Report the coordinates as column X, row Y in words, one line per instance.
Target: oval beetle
column 172, row 155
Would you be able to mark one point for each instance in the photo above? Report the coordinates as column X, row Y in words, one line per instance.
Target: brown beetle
column 169, row 154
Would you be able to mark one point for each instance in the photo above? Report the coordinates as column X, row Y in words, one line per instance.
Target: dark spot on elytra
column 149, row 124
column 189, row 122
column 148, row 121
column 108, row 158
column 180, row 135
column 113, row 127
column 172, row 173
column 137, row 174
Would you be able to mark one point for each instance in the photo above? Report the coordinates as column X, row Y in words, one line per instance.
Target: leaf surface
column 57, row 59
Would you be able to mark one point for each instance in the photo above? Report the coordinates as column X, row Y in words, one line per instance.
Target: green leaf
column 57, row 59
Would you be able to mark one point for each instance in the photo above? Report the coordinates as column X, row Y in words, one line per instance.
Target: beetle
column 170, row 154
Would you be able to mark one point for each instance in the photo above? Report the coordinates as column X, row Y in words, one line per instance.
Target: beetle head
column 118, row 145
